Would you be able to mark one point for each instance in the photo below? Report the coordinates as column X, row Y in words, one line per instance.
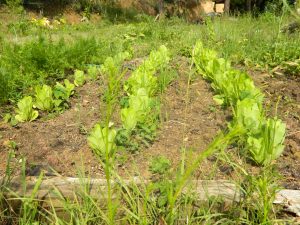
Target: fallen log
column 97, row 188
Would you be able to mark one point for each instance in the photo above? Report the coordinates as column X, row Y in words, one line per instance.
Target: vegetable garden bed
column 156, row 110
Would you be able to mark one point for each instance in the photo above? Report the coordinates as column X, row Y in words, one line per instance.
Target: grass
column 54, row 55
column 245, row 40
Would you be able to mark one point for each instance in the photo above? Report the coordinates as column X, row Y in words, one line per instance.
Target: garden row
column 49, row 99
column 140, row 106
column 263, row 137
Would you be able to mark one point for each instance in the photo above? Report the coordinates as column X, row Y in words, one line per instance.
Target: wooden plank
column 203, row 189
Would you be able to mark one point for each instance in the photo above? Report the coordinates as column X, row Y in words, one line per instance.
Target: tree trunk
column 248, row 5
column 226, row 6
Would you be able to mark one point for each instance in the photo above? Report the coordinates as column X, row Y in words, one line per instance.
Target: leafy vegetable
column 44, row 98
column 139, row 107
column 25, row 110
column 143, row 76
column 112, row 65
column 102, row 140
column 248, row 114
column 263, row 137
column 129, row 118
column 79, row 78
column 93, row 72
column 65, row 91
column 269, row 145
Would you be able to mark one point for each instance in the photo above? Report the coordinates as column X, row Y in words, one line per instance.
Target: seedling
column 160, row 165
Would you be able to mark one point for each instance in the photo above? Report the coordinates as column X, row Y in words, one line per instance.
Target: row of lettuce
column 49, row 99
column 140, row 106
column 263, row 137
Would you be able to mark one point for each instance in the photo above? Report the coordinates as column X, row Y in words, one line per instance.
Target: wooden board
column 203, row 190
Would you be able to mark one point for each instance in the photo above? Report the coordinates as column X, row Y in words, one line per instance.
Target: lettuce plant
column 139, row 108
column 129, row 118
column 263, row 137
column 44, row 98
column 25, row 110
column 112, row 65
column 143, row 76
column 249, row 115
column 79, row 78
column 102, row 140
column 93, row 72
column 268, row 145
column 64, row 92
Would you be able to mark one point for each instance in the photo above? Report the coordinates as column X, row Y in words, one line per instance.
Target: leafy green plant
column 25, row 110
column 160, row 165
column 64, row 92
column 143, row 76
column 79, row 78
column 93, row 72
column 102, row 140
column 139, row 107
column 129, row 118
column 44, row 98
column 248, row 115
column 268, row 145
column 262, row 137
column 112, row 65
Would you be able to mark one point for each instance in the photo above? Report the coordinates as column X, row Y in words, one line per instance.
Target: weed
column 160, row 165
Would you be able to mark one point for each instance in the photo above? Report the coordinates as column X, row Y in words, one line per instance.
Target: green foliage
column 64, row 92
column 15, row 4
column 139, row 114
column 43, row 61
column 44, row 98
column 112, row 65
column 139, row 108
column 102, row 140
column 25, row 110
column 79, row 78
column 268, row 144
column 263, row 137
column 4, row 86
column 143, row 76
column 231, row 85
column 93, row 72
column 160, row 165
column 21, row 27
column 129, row 118
column 248, row 114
